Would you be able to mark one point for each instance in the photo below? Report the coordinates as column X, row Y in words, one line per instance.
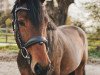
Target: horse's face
column 38, row 51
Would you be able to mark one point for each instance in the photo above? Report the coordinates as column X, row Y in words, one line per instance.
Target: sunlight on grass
column 10, row 48
column 7, row 37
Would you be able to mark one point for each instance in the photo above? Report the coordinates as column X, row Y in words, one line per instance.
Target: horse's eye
column 21, row 23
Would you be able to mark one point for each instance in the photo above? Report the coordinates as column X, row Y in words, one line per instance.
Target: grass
column 10, row 48
column 94, row 42
column 7, row 37
column 9, row 40
column 94, row 53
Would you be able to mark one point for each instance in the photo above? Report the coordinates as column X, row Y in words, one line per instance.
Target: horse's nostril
column 38, row 69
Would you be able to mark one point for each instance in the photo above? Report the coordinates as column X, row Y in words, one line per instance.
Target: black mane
column 35, row 11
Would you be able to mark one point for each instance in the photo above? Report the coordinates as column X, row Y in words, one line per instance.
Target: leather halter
column 34, row 40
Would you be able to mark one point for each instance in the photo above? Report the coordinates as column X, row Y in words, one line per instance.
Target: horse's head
column 30, row 26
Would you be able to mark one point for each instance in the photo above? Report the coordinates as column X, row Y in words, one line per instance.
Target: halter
column 34, row 40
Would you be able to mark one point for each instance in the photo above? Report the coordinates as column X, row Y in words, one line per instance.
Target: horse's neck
column 58, row 40
column 51, row 25
column 54, row 34
column 55, row 38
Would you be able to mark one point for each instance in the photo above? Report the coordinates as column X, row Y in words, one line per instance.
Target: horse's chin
column 33, row 73
column 39, row 74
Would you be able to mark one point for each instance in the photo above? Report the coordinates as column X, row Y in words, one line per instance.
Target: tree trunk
column 58, row 14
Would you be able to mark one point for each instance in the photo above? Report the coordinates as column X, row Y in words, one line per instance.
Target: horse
column 47, row 49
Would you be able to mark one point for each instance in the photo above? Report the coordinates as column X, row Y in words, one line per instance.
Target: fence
column 6, row 35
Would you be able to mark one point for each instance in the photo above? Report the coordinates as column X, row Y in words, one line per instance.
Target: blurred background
column 82, row 13
column 6, row 31
column 86, row 14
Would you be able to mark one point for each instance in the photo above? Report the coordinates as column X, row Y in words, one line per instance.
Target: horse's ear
column 42, row 1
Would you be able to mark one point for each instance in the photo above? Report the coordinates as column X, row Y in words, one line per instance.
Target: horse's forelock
column 42, row 1
column 35, row 11
column 21, row 1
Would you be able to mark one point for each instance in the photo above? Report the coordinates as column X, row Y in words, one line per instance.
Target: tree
column 94, row 15
column 58, row 13
column 3, row 19
column 94, row 10
column 8, row 22
column 79, row 24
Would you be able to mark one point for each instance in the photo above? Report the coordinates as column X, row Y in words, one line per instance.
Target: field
column 94, row 48
column 6, row 35
column 9, row 51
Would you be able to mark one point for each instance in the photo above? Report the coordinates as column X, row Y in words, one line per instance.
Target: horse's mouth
column 38, row 70
column 48, row 72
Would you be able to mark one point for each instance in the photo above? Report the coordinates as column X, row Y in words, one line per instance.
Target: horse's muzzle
column 39, row 70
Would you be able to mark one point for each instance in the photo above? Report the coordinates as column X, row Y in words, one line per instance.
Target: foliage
column 8, row 22
column 94, row 43
column 79, row 24
column 94, row 53
column 93, row 8
column 68, row 20
column 5, row 19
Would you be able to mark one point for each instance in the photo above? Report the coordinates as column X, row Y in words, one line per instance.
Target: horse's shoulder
column 70, row 27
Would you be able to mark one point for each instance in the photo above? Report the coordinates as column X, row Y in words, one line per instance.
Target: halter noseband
column 34, row 40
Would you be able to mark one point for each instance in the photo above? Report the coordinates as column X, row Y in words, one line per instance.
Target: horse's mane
column 53, row 33
column 35, row 10
column 55, row 37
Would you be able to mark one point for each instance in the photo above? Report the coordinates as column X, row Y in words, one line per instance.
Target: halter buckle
column 25, row 53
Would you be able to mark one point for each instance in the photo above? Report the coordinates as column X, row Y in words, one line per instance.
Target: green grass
column 10, row 39
column 94, row 42
column 94, row 53
column 7, row 37
column 2, row 40
column 10, row 48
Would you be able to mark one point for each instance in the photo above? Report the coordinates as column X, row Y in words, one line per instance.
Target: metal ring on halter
column 27, row 53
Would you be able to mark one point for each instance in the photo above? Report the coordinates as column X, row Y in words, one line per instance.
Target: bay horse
column 46, row 49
